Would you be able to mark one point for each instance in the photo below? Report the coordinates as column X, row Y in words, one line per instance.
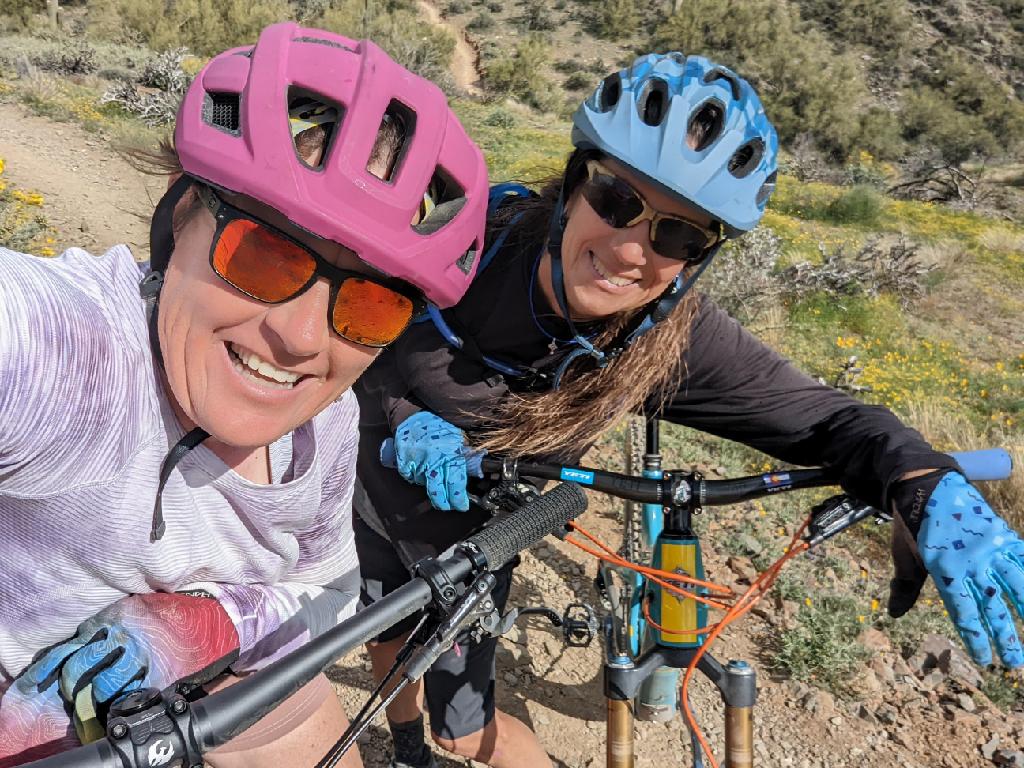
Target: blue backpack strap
column 495, row 197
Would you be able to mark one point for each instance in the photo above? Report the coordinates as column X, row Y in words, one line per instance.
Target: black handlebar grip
column 509, row 535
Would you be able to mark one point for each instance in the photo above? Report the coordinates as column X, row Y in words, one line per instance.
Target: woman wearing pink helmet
column 177, row 467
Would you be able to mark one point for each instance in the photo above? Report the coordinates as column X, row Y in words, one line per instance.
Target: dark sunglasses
column 268, row 265
column 621, row 206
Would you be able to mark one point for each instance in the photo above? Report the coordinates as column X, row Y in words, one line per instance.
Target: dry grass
column 1003, row 240
column 947, row 430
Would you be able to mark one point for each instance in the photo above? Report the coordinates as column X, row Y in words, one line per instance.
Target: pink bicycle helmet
column 235, row 130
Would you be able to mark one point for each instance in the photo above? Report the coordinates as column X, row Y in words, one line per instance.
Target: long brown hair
column 562, row 423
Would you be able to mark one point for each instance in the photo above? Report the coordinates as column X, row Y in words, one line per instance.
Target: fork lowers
column 739, row 715
column 620, row 733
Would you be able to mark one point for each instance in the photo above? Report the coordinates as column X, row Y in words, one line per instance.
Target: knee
column 464, row 746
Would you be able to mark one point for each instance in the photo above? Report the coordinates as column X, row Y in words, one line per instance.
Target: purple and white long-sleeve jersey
column 84, row 426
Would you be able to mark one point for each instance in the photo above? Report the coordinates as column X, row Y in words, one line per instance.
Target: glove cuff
column 911, row 495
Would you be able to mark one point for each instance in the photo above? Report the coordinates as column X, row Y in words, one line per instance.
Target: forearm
column 272, row 620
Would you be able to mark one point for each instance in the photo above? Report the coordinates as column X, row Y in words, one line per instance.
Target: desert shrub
column 520, row 75
column 861, row 204
column 164, row 73
column 537, row 16
column 615, row 19
column 881, row 25
column 990, row 120
column 821, row 646
column 395, row 27
column 500, row 118
column 495, row 6
column 15, row 15
column 204, row 26
column 568, row 66
column 579, row 81
column 482, row 22
column 456, row 7
column 70, row 56
column 806, row 87
column 742, row 278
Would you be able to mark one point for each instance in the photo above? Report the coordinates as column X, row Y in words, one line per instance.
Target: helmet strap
column 161, row 246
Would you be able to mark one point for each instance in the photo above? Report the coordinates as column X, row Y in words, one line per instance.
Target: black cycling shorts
column 459, row 688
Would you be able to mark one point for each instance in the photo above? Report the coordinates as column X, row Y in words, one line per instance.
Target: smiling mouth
column 618, row 282
column 255, row 368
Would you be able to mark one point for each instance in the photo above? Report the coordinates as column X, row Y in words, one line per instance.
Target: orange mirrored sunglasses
column 266, row 264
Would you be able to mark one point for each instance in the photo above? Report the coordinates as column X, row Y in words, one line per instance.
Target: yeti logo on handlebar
column 160, row 753
column 577, row 476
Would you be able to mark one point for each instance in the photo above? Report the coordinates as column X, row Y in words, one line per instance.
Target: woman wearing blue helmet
column 581, row 313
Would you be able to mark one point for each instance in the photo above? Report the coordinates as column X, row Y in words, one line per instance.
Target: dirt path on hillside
column 93, row 198
column 464, row 59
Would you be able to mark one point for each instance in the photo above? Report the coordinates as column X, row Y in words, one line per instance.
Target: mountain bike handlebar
column 153, row 728
column 680, row 488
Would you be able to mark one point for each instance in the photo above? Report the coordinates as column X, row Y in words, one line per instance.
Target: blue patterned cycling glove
column 976, row 560
column 431, row 452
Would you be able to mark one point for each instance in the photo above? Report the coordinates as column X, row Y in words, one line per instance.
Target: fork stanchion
column 620, row 734
column 739, row 714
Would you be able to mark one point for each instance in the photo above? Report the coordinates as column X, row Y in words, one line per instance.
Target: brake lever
column 836, row 514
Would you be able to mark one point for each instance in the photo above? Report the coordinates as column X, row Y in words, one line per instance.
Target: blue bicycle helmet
column 641, row 116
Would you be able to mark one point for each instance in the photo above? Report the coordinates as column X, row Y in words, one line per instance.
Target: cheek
column 348, row 361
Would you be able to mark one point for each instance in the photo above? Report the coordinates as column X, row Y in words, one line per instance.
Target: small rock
column 886, row 714
column 866, row 714
column 837, row 720
column 510, row 678
column 883, row 670
column 820, row 703
column 965, row 702
column 932, row 680
column 1005, row 757
column 743, row 568
column 874, row 640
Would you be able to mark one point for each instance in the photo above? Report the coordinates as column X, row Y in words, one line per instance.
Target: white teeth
column 253, row 362
column 620, row 282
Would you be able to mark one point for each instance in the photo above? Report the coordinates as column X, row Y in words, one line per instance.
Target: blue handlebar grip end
column 986, row 464
column 388, row 457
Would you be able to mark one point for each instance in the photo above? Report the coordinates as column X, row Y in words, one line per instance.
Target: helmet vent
column 442, row 201
column 321, row 41
column 746, row 158
column 610, row 93
column 313, row 121
column 466, row 260
column 705, row 125
column 653, row 102
column 393, row 139
column 222, row 110
column 721, row 74
column 766, row 189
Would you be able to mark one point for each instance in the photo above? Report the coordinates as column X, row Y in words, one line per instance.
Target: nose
column 630, row 245
column 300, row 325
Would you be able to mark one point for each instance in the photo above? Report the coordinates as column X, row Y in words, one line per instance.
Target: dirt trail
column 93, row 198
column 464, row 59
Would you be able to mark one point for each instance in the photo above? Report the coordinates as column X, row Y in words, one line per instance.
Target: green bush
column 482, row 22
column 537, row 16
column 881, row 25
column 520, row 75
column 805, row 86
column 15, row 15
column 615, row 19
column 204, row 26
column 424, row 49
column 496, row 6
column 859, row 205
column 456, row 7
column 821, row 646
column 579, row 81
